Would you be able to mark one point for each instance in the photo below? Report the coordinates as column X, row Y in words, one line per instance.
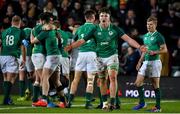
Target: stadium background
column 131, row 15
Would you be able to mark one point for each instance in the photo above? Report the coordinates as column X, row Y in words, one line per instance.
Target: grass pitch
column 168, row 106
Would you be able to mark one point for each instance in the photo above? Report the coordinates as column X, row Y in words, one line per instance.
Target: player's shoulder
column 112, row 26
column 27, row 29
column 39, row 26
column 68, row 33
column 8, row 29
column 146, row 34
column 117, row 28
column 5, row 30
column 159, row 34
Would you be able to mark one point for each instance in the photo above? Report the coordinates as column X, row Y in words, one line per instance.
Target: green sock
column 7, row 89
column 29, row 84
column 158, row 97
column 104, row 98
column 112, row 101
column 100, row 97
column 88, row 98
column 36, row 92
column 71, row 97
column 40, row 91
column 141, row 94
column 117, row 100
column 22, row 88
column 46, row 98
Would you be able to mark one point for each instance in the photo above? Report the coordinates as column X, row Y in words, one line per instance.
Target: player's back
column 90, row 45
column 11, row 41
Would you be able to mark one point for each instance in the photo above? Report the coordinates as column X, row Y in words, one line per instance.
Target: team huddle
column 43, row 53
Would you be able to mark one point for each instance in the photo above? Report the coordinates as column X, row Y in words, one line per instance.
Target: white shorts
column 151, row 68
column 38, row 60
column 86, row 61
column 65, row 65
column 52, row 61
column 111, row 62
column 29, row 67
column 9, row 64
column 73, row 58
column 72, row 63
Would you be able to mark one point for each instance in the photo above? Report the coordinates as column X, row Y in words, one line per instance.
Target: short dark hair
column 88, row 13
column 104, row 10
column 152, row 18
column 47, row 17
column 16, row 18
column 41, row 16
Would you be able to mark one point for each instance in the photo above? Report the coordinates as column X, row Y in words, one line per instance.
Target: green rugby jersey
column 153, row 42
column 82, row 31
column 28, row 34
column 38, row 47
column 51, row 42
column 65, row 40
column 11, row 41
column 107, row 40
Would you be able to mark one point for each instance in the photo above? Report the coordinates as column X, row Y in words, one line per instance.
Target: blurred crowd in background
column 130, row 15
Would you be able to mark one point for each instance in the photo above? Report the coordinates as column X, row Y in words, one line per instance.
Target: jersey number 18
column 9, row 40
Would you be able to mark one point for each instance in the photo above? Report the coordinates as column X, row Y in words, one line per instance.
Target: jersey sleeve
column 37, row 30
column 42, row 35
column 22, row 35
column 119, row 30
column 28, row 33
column 161, row 39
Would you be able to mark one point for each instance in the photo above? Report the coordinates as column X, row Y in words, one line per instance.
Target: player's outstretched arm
column 133, row 43
column 76, row 44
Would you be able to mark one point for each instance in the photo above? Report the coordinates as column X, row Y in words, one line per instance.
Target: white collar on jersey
column 152, row 33
column 102, row 29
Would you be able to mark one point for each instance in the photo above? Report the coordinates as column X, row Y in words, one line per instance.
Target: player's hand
column 138, row 66
column 143, row 48
column 152, row 52
column 67, row 48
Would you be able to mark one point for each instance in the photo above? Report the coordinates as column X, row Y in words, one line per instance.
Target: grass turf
column 168, row 106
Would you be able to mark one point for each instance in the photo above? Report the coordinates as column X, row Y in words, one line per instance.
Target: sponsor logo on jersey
column 152, row 38
column 110, row 33
column 104, row 43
